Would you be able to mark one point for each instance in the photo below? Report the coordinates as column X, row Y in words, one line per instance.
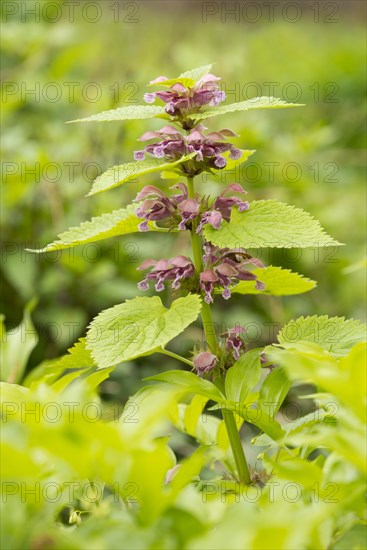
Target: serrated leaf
column 269, row 223
column 137, row 327
column 113, row 224
column 263, row 102
column 77, row 357
column 278, row 282
column 335, row 334
column 243, row 376
column 132, row 112
column 191, row 382
column 126, row 172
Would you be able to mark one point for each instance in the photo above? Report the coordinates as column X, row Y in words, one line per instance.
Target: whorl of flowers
column 223, row 268
column 207, row 150
column 178, row 210
column 181, row 100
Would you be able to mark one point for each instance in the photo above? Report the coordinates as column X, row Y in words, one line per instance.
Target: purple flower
column 222, row 207
column 213, row 217
column 208, row 149
column 208, row 279
column 139, row 155
column 158, row 207
column 182, row 101
column 177, row 268
column 233, row 342
column 204, row 362
column 189, row 209
column 225, row 204
column 224, row 268
column 225, row 272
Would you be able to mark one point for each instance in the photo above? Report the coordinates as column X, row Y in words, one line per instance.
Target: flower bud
column 204, row 362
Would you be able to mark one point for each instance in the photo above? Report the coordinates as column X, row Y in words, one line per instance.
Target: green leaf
column 126, row 172
column 278, row 282
column 263, row 102
column 335, row 375
column 335, row 334
column 256, row 414
column 77, row 357
column 95, row 379
column 191, row 382
column 269, row 223
column 243, row 376
column 132, row 112
column 17, row 345
column 196, row 74
column 233, row 164
column 187, row 82
column 187, row 79
column 137, row 327
column 290, row 428
column 62, row 383
column 116, row 223
column 274, row 390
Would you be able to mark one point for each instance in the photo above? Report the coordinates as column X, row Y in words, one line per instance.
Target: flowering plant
column 224, row 374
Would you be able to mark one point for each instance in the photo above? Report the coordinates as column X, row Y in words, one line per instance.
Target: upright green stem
column 208, row 325
column 206, row 314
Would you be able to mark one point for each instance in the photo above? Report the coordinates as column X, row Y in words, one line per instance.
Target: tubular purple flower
column 159, row 207
column 213, row 217
column 177, row 268
column 208, row 279
column 220, row 162
column 189, row 209
column 224, row 268
column 139, row 155
column 233, row 342
column 222, row 207
column 225, row 204
column 225, row 272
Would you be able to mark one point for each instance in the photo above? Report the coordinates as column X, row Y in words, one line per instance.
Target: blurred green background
column 66, row 62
